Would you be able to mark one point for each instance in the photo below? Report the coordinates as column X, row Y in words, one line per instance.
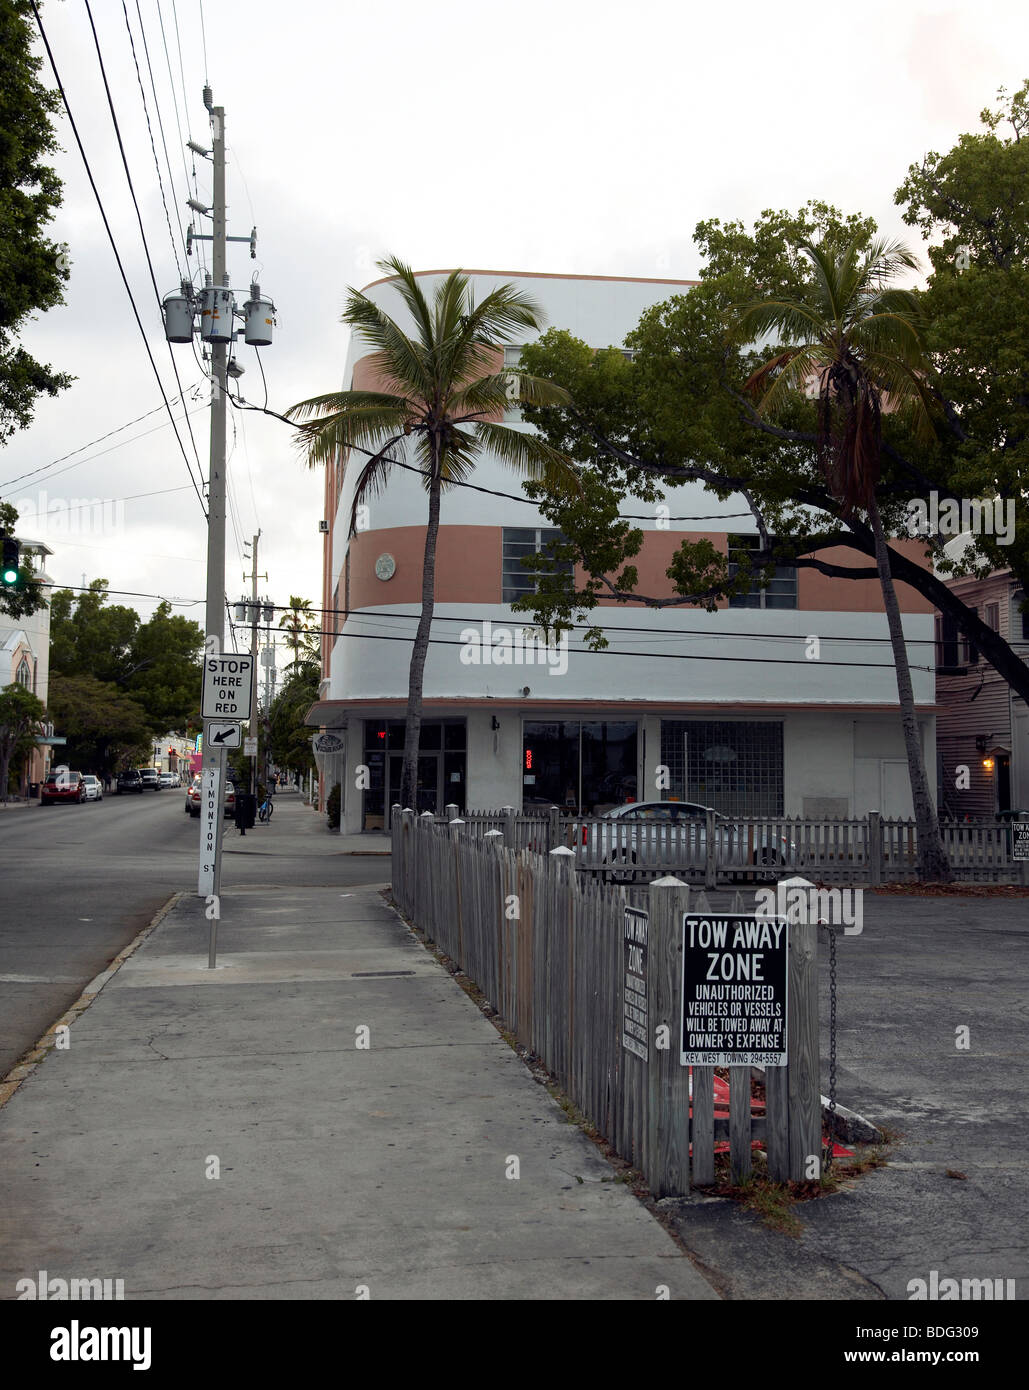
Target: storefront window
column 578, row 766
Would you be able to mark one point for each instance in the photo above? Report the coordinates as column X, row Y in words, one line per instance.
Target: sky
column 572, row 136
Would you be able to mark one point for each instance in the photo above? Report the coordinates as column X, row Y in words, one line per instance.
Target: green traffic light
column 10, row 576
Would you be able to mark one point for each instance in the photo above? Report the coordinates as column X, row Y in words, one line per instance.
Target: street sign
column 635, row 1034
column 228, row 684
column 210, row 820
column 734, row 984
column 327, row 743
column 250, row 748
column 1020, row 840
column 225, row 735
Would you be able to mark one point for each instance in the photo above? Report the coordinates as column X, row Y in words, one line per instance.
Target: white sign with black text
column 635, row 1034
column 228, row 685
column 210, row 811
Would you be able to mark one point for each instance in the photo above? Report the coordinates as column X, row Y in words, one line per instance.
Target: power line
column 203, row 35
column 160, row 122
column 150, row 131
column 114, row 247
column 43, row 467
column 139, row 219
column 658, row 656
column 178, row 122
column 241, row 404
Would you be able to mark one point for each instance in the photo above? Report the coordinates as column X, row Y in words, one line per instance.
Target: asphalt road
column 78, row 882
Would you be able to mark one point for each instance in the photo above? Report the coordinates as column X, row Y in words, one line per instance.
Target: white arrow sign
column 225, row 735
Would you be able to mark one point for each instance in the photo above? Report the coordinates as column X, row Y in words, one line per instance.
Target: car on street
column 626, row 842
column 150, row 777
column 62, row 786
column 129, row 780
column 169, row 779
column 193, row 797
column 94, row 789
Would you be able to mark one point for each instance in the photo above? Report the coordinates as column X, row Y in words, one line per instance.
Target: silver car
column 642, row 837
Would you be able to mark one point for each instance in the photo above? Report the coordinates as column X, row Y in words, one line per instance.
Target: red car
column 62, row 786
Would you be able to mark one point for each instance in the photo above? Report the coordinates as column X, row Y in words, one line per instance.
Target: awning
column 327, row 714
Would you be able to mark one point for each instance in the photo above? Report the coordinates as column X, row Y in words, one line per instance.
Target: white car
column 92, row 788
column 643, row 836
column 169, row 779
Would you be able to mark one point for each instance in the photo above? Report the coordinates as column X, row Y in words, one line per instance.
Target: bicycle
column 264, row 811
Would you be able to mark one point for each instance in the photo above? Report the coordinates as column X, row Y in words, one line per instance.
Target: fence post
column 710, row 851
column 394, row 811
column 667, row 1136
column 495, row 837
column 554, row 818
column 875, row 848
column 455, row 828
column 508, row 813
column 803, row 1082
column 450, row 811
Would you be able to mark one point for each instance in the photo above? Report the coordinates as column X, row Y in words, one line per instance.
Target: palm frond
column 407, row 362
column 529, row 454
column 411, row 293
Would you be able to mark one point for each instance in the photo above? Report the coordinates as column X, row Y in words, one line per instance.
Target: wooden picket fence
column 546, row 947
column 868, row 849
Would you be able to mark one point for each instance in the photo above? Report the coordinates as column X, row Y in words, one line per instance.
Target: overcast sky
column 573, row 136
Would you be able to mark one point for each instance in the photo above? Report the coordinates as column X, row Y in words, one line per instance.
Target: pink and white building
column 737, row 709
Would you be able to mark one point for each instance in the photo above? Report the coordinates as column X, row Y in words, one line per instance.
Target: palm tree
column 298, row 620
column 858, row 338
column 444, row 387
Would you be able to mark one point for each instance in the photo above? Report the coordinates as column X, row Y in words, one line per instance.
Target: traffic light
column 11, row 562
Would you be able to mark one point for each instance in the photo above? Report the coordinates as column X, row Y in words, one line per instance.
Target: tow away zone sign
column 734, row 984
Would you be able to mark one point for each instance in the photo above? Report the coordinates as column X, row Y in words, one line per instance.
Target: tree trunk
column 413, row 729
column 5, row 769
column 933, row 865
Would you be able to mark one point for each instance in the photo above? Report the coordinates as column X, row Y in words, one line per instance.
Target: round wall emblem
column 385, row 566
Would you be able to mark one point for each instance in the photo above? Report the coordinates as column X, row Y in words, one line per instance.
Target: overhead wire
column 160, row 122
column 114, row 246
column 99, row 440
column 153, row 146
column 139, row 218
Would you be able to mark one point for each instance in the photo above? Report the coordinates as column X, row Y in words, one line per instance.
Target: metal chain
column 827, row 1157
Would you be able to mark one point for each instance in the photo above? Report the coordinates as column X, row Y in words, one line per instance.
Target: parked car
column 642, row 835
column 62, row 786
column 169, row 779
column 128, row 781
column 150, row 777
column 193, row 798
column 94, row 788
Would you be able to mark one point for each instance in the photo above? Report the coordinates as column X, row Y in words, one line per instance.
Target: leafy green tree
column 33, row 269
column 157, row 663
column 971, row 203
column 447, row 391
column 855, row 338
column 290, row 736
column 105, row 728
column 298, row 620
column 27, row 595
column 21, row 713
column 677, row 412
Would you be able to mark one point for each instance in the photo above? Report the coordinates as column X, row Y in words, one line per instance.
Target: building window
column 24, row 676
column 1019, row 621
column 968, row 652
column 732, row 765
column 589, row 766
column 519, row 543
column 780, row 592
column 991, row 616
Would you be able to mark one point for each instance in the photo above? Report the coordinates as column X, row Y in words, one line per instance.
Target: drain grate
column 378, row 974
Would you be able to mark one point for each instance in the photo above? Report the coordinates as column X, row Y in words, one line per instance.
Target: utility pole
column 254, row 615
column 213, row 780
column 216, row 308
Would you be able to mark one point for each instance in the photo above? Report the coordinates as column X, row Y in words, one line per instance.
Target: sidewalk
column 390, row 1165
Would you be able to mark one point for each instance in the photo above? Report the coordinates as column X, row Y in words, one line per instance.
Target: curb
column 24, row 1068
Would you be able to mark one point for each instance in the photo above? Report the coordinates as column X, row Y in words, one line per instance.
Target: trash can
column 33, row 791
column 246, row 810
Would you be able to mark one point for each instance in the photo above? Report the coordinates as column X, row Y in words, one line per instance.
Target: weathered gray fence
column 545, row 945
column 870, row 849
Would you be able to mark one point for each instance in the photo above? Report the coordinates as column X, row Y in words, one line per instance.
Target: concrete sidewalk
column 223, row 1134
